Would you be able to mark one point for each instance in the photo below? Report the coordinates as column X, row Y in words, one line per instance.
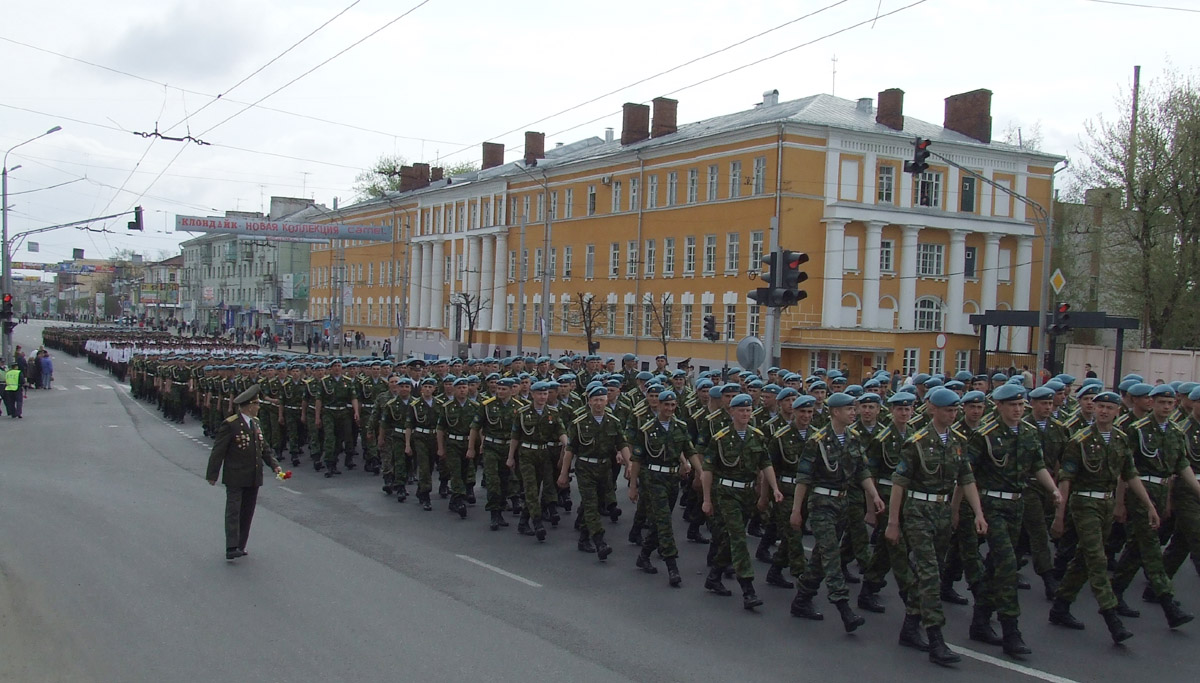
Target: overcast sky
column 454, row 73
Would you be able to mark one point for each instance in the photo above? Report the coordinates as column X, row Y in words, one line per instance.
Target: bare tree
column 587, row 314
column 469, row 307
column 662, row 312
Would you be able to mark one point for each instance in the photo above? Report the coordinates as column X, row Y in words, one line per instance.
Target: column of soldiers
column 915, row 483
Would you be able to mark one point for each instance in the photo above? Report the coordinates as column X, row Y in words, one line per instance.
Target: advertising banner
column 261, row 227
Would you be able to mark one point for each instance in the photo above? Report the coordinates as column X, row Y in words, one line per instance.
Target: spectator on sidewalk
column 47, row 369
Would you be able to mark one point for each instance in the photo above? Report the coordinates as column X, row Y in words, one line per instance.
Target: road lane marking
column 61, row 388
column 291, row 491
column 1011, row 666
column 499, row 571
column 83, row 387
column 88, row 371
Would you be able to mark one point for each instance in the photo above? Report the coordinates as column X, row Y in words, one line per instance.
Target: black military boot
column 849, row 576
column 673, row 576
column 295, row 461
column 494, row 525
column 910, row 633
column 470, row 495
column 523, row 525
column 950, row 595
column 868, row 598
column 585, row 542
column 515, row 502
column 643, row 562
column 425, row 504
column 1148, row 594
column 713, row 583
column 763, row 553
column 802, row 607
column 401, row 493
column 635, row 535
column 850, row 620
column 603, row 550
column 981, row 627
column 387, row 484
column 462, row 507
column 564, row 499
column 350, row 461
column 500, row 518
column 539, row 530
column 750, row 599
column 550, row 514
column 775, row 578
column 938, row 652
column 1014, row 644
column 1124, row 610
column 444, row 490
column 332, row 470
column 318, row 465
column 1115, row 628
column 1050, row 583
column 754, row 528
column 613, row 511
column 1060, row 614
column 696, row 535
column 1176, row 617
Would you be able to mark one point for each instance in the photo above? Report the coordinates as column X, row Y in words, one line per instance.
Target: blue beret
column 920, row 377
column 492, row 376
column 612, row 383
column 1175, row 384
column 755, row 384
column 904, row 397
column 566, row 379
column 679, row 373
column 882, row 375
column 1042, row 393
column 593, row 384
column 854, row 390
column 1126, row 383
column 803, row 402
column 715, row 391
column 1185, row 388
column 955, row 384
column 730, row 388
column 644, row 376
column 628, row 357
column 1055, row 385
column 1066, row 379
column 1195, row 394
column 741, row 401
column 942, row 397
column 1163, row 390
column 1088, row 389
column 540, row 386
column 820, row 372
column 999, row 377
column 818, row 385
column 787, row 392
column 1134, row 376
column 703, row 384
column 473, row 379
column 839, row 400
column 870, row 398
column 772, row 369
column 1008, row 392
column 461, row 380
column 406, row 381
column 448, row 378
column 1140, row 389
column 597, row 391
column 653, row 388
column 871, row 383
column 1107, row 397
column 964, row 376
column 429, row 381
column 932, row 383
column 772, row 388
column 974, row 397
column 667, row 395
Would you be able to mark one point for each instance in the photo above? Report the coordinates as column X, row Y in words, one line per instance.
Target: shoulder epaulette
column 782, row 430
column 679, row 421
column 920, row 434
column 987, row 428
column 816, row 433
column 1025, row 421
column 960, row 434
column 488, row 400
column 579, row 419
column 721, row 434
column 852, row 431
column 713, row 414
column 1117, row 431
column 756, row 430
column 1080, row 435
column 231, row 418
column 884, row 433
column 1145, row 420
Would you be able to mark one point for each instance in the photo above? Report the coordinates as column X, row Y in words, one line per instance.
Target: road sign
column 1057, row 281
column 751, row 353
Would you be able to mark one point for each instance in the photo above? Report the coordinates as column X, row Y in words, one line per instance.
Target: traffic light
column 1062, row 319
column 765, row 296
column 790, row 277
column 6, row 309
column 9, row 326
column 136, row 223
column 710, row 328
column 920, row 160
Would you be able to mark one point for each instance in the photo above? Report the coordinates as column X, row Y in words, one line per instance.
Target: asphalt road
column 112, row 569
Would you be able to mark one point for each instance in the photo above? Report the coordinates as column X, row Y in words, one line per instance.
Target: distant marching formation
column 1089, row 483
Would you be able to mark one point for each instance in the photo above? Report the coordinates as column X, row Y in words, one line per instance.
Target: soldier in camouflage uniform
column 421, row 438
column 963, row 557
column 337, row 408
column 660, row 450
column 455, row 444
column 316, row 442
column 594, row 440
column 493, row 432
column 1159, row 452
column 1038, row 504
column 787, row 445
column 391, row 436
column 1186, row 502
column 732, row 462
column 1096, row 460
column 834, row 459
column 932, row 462
column 369, row 387
column 1004, row 456
column 537, row 427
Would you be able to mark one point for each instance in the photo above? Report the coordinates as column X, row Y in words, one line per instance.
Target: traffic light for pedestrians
column 710, row 328
column 1062, row 319
column 920, row 160
column 136, row 223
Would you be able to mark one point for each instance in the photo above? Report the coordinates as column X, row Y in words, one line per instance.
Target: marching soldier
column 421, row 438
column 493, row 431
column 594, row 440
column 536, row 427
column 456, row 448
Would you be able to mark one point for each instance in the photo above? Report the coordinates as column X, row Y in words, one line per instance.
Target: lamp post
column 7, row 282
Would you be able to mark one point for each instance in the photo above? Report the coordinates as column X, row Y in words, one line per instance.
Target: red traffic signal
column 8, row 298
column 920, row 161
column 1063, row 308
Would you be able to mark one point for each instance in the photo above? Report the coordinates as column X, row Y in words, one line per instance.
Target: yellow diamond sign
column 1057, row 281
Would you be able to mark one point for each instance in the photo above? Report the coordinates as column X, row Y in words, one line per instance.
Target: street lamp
column 544, row 347
column 7, row 261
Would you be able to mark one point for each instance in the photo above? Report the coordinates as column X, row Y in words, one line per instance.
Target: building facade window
column 652, row 191
column 591, row 202
column 760, row 175
column 927, row 190
column 566, row 317
column 616, row 196
column 909, row 366
column 566, row 262
column 541, row 207
column 689, row 255
column 610, row 315
column 937, row 361
column 756, row 250
column 614, row 260
column 648, row 320
column 962, row 361
column 537, row 264
column 508, row 319
column 928, row 315
column 569, row 210
column 668, row 256
column 552, row 267
column 754, row 317
column 589, row 262
column 672, row 188
column 693, row 186
column 710, row 254
column 730, row 321
column 881, row 362
column 631, row 259
column 711, row 192
column 735, row 179
column 887, row 253
column 628, row 320
column 970, row 254
column 685, row 323
column 651, row 258
column 931, row 260
column 885, row 185
column 633, row 194
column 733, row 249
column 966, row 196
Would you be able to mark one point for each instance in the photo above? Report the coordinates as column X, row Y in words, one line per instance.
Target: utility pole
column 544, row 347
column 523, row 269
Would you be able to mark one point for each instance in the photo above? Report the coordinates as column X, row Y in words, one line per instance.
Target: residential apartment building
column 668, row 224
column 156, row 297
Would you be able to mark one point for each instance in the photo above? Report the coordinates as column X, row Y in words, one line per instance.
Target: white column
column 957, row 281
column 1021, row 289
column 473, row 265
column 500, row 288
column 870, row 294
column 415, row 285
column 487, row 282
column 835, row 243
column 991, row 262
column 908, row 277
column 427, row 284
column 437, row 304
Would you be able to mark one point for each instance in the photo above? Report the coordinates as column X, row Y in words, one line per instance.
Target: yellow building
column 678, row 217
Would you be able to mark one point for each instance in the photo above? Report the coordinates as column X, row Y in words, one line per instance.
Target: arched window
column 928, row 315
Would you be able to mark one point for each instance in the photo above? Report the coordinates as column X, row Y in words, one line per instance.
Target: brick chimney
column 493, row 154
column 414, row 177
column 665, row 114
column 891, row 109
column 535, row 147
column 436, row 173
column 635, row 123
column 970, row 113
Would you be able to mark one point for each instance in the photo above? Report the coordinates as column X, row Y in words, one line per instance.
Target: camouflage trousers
column 826, row 519
column 424, row 454
column 370, row 431
column 290, row 431
column 1092, row 519
column 733, row 508
column 337, row 427
column 1187, row 530
column 268, row 418
column 962, row 560
column 856, row 540
column 496, row 474
column 1038, row 515
column 926, row 527
column 538, row 478
column 657, row 492
column 393, row 462
column 887, row 557
column 315, row 442
column 1143, row 550
column 791, row 551
column 456, row 464
column 999, row 589
column 595, row 484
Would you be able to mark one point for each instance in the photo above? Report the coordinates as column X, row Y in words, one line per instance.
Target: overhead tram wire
column 1141, row 6
column 226, row 99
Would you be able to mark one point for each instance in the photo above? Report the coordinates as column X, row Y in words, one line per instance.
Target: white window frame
column 733, row 252
column 614, row 260
column 629, row 320
column 932, row 180
column 633, row 194
column 610, row 313
column 730, row 321
column 693, row 187
column 754, row 318
column 713, row 179
column 885, row 184
column 570, row 199
column 689, row 255
column 908, row 366
column 887, row 256
column 616, row 196
column 685, row 328
column 928, row 315
column 937, row 361
column 631, row 258
column 651, row 258
column 672, row 188
column 567, row 254
column 850, row 253
column 589, row 262
column 668, row 256
column 735, row 179
column 931, row 259
column 962, row 360
column 710, row 254
column 591, row 200
column 652, row 191
column 760, row 175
